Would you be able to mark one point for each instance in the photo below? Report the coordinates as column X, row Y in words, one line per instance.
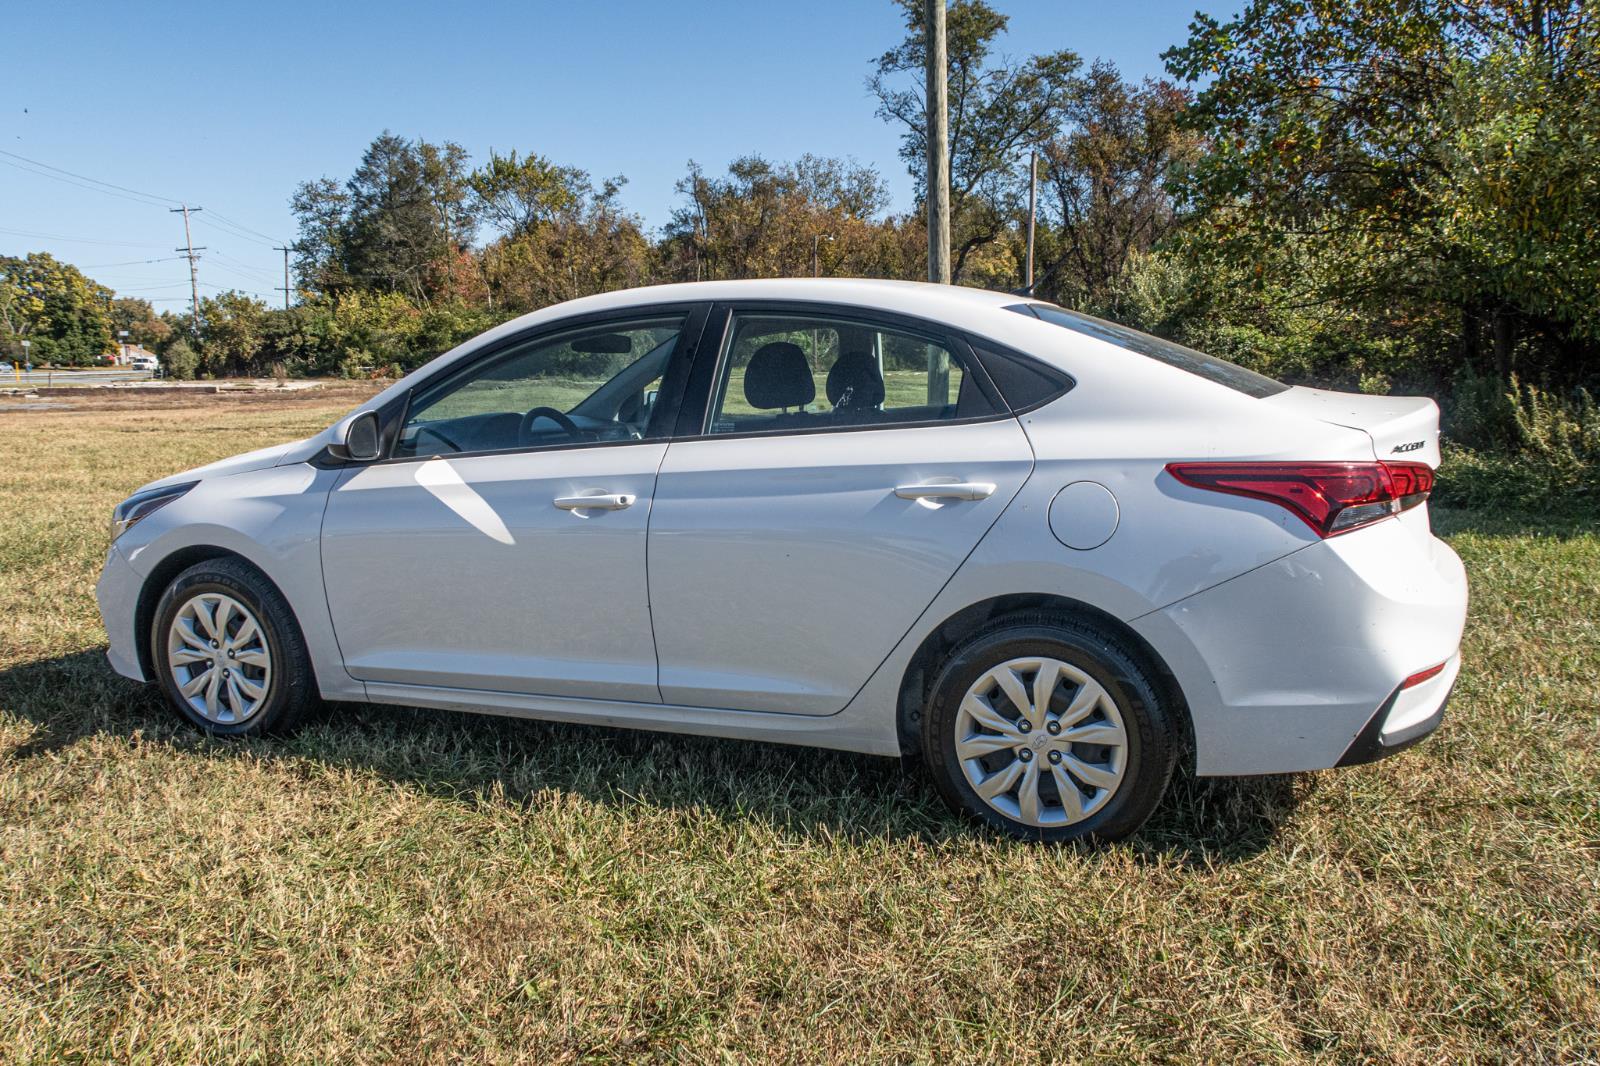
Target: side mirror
column 363, row 442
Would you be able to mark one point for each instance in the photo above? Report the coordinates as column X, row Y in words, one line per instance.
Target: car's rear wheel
column 228, row 652
column 1050, row 729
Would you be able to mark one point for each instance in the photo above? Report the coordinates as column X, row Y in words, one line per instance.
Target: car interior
column 778, row 381
column 516, row 402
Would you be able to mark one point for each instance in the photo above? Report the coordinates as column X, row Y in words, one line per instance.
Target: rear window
column 1200, row 364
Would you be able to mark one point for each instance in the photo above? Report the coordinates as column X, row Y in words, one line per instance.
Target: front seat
column 855, row 386
column 779, row 376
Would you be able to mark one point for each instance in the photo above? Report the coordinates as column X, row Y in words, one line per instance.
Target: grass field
column 393, row 885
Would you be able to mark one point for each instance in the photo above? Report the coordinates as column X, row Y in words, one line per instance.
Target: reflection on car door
column 482, row 572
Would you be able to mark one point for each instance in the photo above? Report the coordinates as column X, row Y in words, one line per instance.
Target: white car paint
column 777, row 588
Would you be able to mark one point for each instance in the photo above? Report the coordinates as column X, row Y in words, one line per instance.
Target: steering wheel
column 568, row 426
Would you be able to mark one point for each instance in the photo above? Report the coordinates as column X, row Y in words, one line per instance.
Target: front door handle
column 948, row 490
column 615, row 501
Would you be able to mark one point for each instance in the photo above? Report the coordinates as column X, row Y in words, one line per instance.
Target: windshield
column 1209, row 367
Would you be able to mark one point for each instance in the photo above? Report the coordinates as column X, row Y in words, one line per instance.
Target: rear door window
column 798, row 373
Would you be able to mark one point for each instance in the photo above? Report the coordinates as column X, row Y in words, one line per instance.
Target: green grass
column 406, row 885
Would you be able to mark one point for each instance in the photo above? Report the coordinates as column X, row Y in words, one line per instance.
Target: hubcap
column 219, row 658
column 1084, row 745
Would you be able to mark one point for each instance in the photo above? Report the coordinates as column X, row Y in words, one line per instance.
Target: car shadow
column 484, row 759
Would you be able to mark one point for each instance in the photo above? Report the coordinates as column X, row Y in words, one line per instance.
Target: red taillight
column 1330, row 497
column 1423, row 675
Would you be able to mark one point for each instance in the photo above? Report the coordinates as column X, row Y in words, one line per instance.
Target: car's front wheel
column 1049, row 729
column 228, row 652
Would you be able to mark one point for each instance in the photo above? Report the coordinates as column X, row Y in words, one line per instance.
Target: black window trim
column 674, row 381
column 695, row 413
column 978, row 343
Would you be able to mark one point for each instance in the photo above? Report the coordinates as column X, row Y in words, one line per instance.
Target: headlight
column 142, row 505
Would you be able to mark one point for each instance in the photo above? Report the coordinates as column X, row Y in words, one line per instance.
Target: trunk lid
column 1401, row 428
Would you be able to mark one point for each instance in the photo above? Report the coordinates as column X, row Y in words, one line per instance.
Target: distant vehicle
column 1048, row 555
column 145, row 362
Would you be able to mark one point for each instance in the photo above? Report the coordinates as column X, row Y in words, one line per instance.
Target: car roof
column 939, row 302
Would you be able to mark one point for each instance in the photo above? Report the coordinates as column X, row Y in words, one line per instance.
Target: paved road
column 11, row 379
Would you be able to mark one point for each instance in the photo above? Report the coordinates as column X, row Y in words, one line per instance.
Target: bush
column 1522, row 446
column 180, row 360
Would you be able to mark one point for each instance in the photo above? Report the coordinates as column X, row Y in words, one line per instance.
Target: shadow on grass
column 484, row 759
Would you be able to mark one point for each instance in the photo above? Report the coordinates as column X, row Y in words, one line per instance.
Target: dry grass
column 402, row 885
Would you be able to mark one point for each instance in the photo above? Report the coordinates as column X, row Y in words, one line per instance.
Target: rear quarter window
column 1024, row 383
column 1200, row 364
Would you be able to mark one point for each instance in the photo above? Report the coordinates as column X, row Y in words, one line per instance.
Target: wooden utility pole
column 285, row 250
column 189, row 250
column 1033, row 214
column 938, row 138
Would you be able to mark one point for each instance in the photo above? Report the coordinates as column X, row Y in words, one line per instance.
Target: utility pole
column 816, row 262
column 1033, row 214
column 938, row 138
column 189, row 249
column 285, row 251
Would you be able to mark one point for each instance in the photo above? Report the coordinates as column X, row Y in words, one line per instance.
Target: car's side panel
column 784, row 568
column 270, row 517
column 465, row 572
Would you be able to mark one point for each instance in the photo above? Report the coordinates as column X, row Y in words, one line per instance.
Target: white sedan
column 1048, row 555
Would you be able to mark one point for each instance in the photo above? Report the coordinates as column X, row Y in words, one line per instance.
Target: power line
column 248, row 268
column 240, row 225
column 128, row 263
column 83, row 185
column 232, row 232
column 74, row 240
column 84, row 177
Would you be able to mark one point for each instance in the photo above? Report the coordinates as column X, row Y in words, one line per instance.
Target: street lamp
column 816, row 264
column 122, row 342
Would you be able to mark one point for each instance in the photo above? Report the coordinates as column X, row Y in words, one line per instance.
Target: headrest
column 779, row 376
column 854, row 383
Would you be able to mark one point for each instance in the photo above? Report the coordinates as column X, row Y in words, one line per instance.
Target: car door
column 841, row 469
column 502, row 545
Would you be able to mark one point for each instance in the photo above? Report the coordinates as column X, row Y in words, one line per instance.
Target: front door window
column 589, row 386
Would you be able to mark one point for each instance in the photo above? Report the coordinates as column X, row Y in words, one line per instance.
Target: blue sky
column 230, row 105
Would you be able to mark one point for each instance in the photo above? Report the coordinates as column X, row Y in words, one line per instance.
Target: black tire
column 291, row 688
column 1150, row 724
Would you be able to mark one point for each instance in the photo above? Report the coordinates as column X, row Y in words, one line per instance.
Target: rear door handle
column 948, row 490
column 611, row 502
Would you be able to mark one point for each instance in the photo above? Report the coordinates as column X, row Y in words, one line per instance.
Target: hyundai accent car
column 1048, row 555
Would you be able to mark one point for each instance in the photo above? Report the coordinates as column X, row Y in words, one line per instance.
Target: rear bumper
column 1297, row 665
column 1406, row 718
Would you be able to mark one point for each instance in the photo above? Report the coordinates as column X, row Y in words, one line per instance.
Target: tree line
column 1361, row 195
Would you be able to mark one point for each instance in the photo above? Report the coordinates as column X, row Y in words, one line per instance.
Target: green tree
column 998, row 110
column 65, row 316
column 767, row 219
column 516, row 195
column 232, row 335
column 399, row 224
column 180, row 360
column 1429, row 160
column 1103, row 184
column 145, row 328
